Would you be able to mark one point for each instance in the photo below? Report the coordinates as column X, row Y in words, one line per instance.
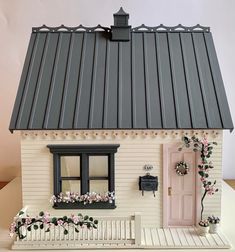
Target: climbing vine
column 44, row 221
column 206, row 150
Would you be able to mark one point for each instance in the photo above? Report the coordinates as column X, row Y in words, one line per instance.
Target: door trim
column 165, row 207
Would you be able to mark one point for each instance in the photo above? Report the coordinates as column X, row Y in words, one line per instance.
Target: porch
column 120, row 233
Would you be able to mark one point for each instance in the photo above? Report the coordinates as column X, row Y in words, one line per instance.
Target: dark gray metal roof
column 163, row 78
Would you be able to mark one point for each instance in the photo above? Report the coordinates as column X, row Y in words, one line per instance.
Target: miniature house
column 98, row 108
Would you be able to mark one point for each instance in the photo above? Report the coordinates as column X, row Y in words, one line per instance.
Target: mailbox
column 148, row 183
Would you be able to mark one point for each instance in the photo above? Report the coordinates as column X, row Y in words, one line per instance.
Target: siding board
column 132, row 155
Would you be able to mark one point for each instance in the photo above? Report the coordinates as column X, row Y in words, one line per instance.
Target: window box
column 80, row 205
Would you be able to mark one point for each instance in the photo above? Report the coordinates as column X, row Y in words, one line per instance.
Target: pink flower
column 60, row 222
column 12, row 229
column 76, row 219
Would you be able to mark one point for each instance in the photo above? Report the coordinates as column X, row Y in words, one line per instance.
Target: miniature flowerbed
column 90, row 200
column 21, row 224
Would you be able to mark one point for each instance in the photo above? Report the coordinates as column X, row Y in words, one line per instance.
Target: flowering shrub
column 203, row 223
column 213, row 220
column 88, row 198
column 44, row 221
column 205, row 148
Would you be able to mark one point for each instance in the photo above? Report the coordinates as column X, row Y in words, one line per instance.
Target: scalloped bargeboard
column 141, row 28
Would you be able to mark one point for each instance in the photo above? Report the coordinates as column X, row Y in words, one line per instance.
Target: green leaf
column 41, row 226
column 29, row 228
column 79, row 214
column 48, row 230
column 65, row 218
column 96, row 222
column 22, row 237
column 41, row 213
column 23, row 220
column 20, row 213
column 54, row 220
column 88, row 225
column 76, row 230
column 70, row 220
column 86, row 217
column 90, row 219
column 201, row 173
column 35, row 227
column 94, row 226
column 214, row 143
column 66, row 232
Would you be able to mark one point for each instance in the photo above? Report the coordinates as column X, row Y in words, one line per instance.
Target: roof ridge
column 141, row 28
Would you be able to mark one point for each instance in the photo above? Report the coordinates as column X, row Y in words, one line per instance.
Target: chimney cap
column 121, row 12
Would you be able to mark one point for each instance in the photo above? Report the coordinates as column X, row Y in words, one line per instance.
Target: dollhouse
column 102, row 112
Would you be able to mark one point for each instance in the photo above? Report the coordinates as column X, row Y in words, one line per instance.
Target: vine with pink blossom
column 21, row 224
column 206, row 149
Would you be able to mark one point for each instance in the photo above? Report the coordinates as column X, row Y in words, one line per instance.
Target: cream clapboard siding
column 134, row 152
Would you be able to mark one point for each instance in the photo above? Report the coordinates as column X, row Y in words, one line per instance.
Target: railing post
column 137, row 229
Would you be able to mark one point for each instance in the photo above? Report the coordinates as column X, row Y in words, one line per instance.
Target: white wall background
column 18, row 16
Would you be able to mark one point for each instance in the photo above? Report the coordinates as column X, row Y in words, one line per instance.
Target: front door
column 181, row 190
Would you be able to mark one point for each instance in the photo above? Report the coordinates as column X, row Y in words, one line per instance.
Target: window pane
column 70, row 166
column 98, row 186
column 98, row 166
column 71, row 186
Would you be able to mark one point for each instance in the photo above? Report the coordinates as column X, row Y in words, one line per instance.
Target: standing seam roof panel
column 82, row 80
column 24, row 76
column 179, row 82
column 31, row 82
column 192, row 81
column 70, row 93
column 218, row 83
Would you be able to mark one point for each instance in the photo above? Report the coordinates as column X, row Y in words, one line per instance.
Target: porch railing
column 116, row 231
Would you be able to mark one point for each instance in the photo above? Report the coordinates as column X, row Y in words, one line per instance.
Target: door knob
column 169, row 191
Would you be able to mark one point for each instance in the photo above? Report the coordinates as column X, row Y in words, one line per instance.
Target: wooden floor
column 181, row 238
column 230, row 182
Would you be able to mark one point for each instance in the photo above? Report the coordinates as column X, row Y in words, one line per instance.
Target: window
column 82, row 169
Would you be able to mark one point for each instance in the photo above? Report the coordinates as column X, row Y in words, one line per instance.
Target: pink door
column 181, row 190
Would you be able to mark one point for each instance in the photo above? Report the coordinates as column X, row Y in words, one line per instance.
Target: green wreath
column 182, row 168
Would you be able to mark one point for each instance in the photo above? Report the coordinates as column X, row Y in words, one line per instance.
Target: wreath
column 182, row 168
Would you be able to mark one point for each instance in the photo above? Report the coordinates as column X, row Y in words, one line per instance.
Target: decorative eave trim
column 141, row 28
column 115, row 134
column 177, row 28
column 63, row 28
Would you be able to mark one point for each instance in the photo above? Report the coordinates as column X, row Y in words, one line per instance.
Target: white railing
column 117, row 231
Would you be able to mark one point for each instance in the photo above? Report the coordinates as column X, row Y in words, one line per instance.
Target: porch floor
column 181, row 238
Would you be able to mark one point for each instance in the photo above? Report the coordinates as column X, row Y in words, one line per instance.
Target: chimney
column 120, row 31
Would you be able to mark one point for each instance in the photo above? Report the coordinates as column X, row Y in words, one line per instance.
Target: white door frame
column 165, row 208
